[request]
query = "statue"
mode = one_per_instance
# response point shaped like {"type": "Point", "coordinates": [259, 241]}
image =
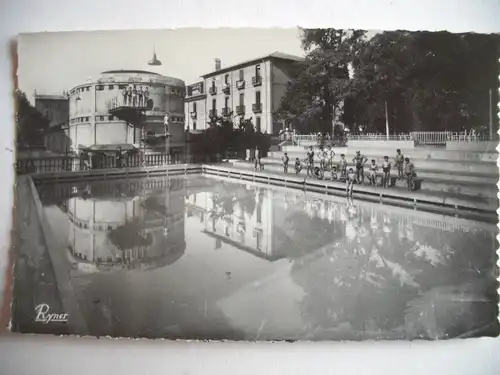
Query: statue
{"type": "Point", "coordinates": [134, 96]}
{"type": "Point", "coordinates": [166, 121]}
{"type": "Point", "coordinates": [140, 94]}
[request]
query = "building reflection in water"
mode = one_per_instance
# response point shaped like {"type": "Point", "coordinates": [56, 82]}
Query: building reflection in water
{"type": "Point", "coordinates": [123, 225]}
{"type": "Point", "coordinates": [367, 270]}
{"type": "Point", "coordinates": [240, 217]}
{"type": "Point", "coordinates": [364, 270]}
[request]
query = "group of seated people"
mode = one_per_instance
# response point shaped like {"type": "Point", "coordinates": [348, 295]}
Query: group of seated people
{"type": "Point", "coordinates": [339, 169]}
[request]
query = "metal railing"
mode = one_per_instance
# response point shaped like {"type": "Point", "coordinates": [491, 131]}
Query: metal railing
{"type": "Point", "coordinates": [381, 137]}
{"type": "Point", "coordinates": [80, 163]}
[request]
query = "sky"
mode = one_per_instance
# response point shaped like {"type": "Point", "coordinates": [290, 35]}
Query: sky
{"type": "Point", "coordinates": [57, 61]}
{"type": "Point", "coordinates": [53, 62]}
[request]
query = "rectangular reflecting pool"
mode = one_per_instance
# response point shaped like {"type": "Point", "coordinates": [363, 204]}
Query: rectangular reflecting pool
{"type": "Point", "coordinates": [204, 258]}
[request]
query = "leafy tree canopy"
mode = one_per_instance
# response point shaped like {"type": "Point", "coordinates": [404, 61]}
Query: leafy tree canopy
{"type": "Point", "coordinates": [430, 81]}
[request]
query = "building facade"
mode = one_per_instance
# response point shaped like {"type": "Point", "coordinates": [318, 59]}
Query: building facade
{"type": "Point", "coordinates": [252, 89]}
{"type": "Point", "coordinates": [54, 107]}
{"type": "Point", "coordinates": [90, 123]}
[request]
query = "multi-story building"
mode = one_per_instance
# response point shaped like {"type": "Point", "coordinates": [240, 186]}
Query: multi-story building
{"type": "Point", "coordinates": [92, 125]}
{"type": "Point", "coordinates": [54, 107]}
{"type": "Point", "coordinates": [251, 89]}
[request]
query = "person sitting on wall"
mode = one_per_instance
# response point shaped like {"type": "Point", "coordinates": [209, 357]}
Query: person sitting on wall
{"type": "Point", "coordinates": [298, 166]}
{"type": "Point", "coordinates": [318, 173]}
{"type": "Point", "coordinates": [334, 173]}
{"type": "Point", "coordinates": [373, 173]}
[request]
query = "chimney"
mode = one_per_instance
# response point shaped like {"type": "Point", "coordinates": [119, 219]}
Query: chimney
{"type": "Point", "coordinates": [217, 64]}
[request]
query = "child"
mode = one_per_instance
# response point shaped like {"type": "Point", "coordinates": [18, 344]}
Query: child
{"type": "Point", "coordinates": [285, 160]}
{"type": "Point", "coordinates": [343, 167]}
{"type": "Point", "coordinates": [360, 161]}
{"type": "Point", "coordinates": [334, 173]}
{"type": "Point", "coordinates": [331, 155]}
{"type": "Point", "coordinates": [399, 163]}
{"type": "Point", "coordinates": [324, 159]}
{"type": "Point", "coordinates": [351, 176]}
{"type": "Point", "coordinates": [408, 168]}
{"type": "Point", "coordinates": [298, 166]}
{"type": "Point", "coordinates": [386, 168]}
{"type": "Point", "coordinates": [318, 173]}
{"type": "Point", "coordinates": [310, 161]}
{"type": "Point", "coordinates": [373, 173]}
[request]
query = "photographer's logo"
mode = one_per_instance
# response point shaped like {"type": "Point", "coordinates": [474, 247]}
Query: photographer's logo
{"type": "Point", "coordinates": [43, 315]}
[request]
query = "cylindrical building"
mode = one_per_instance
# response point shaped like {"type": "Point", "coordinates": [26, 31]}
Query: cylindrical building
{"type": "Point", "coordinates": [91, 124]}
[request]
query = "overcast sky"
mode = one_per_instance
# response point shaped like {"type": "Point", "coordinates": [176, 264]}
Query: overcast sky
{"type": "Point", "coordinates": [53, 62]}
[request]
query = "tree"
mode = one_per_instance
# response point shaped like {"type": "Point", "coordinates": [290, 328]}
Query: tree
{"type": "Point", "coordinates": [315, 96]}
{"type": "Point", "coordinates": [30, 123]}
{"type": "Point", "coordinates": [430, 81]}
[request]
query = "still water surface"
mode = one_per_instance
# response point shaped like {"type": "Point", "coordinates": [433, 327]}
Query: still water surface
{"type": "Point", "coordinates": [203, 258]}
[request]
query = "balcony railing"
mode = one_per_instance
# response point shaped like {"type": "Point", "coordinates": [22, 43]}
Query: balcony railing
{"type": "Point", "coordinates": [240, 110]}
{"type": "Point", "coordinates": [257, 107]}
{"type": "Point", "coordinates": [240, 85]}
{"type": "Point", "coordinates": [226, 89]}
{"type": "Point", "coordinates": [212, 113]}
{"type": "Point", "coordinates": [137, 102]}
{"type": "Point", "coordinates": [226, 111]}
{"type": "Point", "coordinates": [257, 80]}
{"type": "Point", "coordinates": [193, 115]}
{"type": "Point", "coordinates": [212, 90]}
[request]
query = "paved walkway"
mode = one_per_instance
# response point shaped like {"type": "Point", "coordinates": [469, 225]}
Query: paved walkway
{"type": "Point", "coordinates": [34, 277]}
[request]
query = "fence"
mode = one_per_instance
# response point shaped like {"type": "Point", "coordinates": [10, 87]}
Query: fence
{"type": "Point", "coordinates": [381, 137]}
{"type": "Point", "coordinates": [435, 138]}
{"type": "Point", "coordinates": [77, 163]}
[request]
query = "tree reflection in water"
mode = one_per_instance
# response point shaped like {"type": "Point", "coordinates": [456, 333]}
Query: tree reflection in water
{"type": "Point", "coordinates": [384, 272]}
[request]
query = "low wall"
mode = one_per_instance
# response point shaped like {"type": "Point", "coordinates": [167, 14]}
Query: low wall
{"type": "Point", "coordinates": [484, 146]}
{"type": "Point", "coordinates": [419, 200]}
{"type": "Point", "coordinates": [388, 145]}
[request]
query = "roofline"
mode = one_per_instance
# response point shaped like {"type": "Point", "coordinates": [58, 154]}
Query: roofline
{"type": "Point", "coordinates": [271, 56]}
{"type": "Point", "coordinates": [50, 97]}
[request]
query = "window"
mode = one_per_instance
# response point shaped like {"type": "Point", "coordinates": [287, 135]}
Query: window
{"type": "Point", "coordinates": [214, 104]}
{"type": "Point", "coordinates": [111, 87]}
{"type": "Point", "coordinates": [111, 118]}
{"type": "Point", "coordinates": [87, 119]}
{"type": "Point", "coordinates": [242, 99]}
{"type": "Point", "coordinates": [88, 88]}
{"type": "Point", "coordinates": [257, 124]}
{"type": "Point", "coordinates": [242, 76]}
{"type": "Point", "coordinates": [121, 87]}
{"type": "Point", "coordinates": [257, 70]}
{"type": "Point", "coordinates": [99, 87]}
{"type": "Point", "coordinates": [213, 83]}
{"type": "Point", "coordinates": [257, 97]}
{"type": "Point", "coordinates": [194, 107]}
{"type": "Point", "coordinates": [194, 128]}
{"type": "Point", "coordinates": [226, 79]}
{"type": "Point", "coordinates": [226, 102]}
